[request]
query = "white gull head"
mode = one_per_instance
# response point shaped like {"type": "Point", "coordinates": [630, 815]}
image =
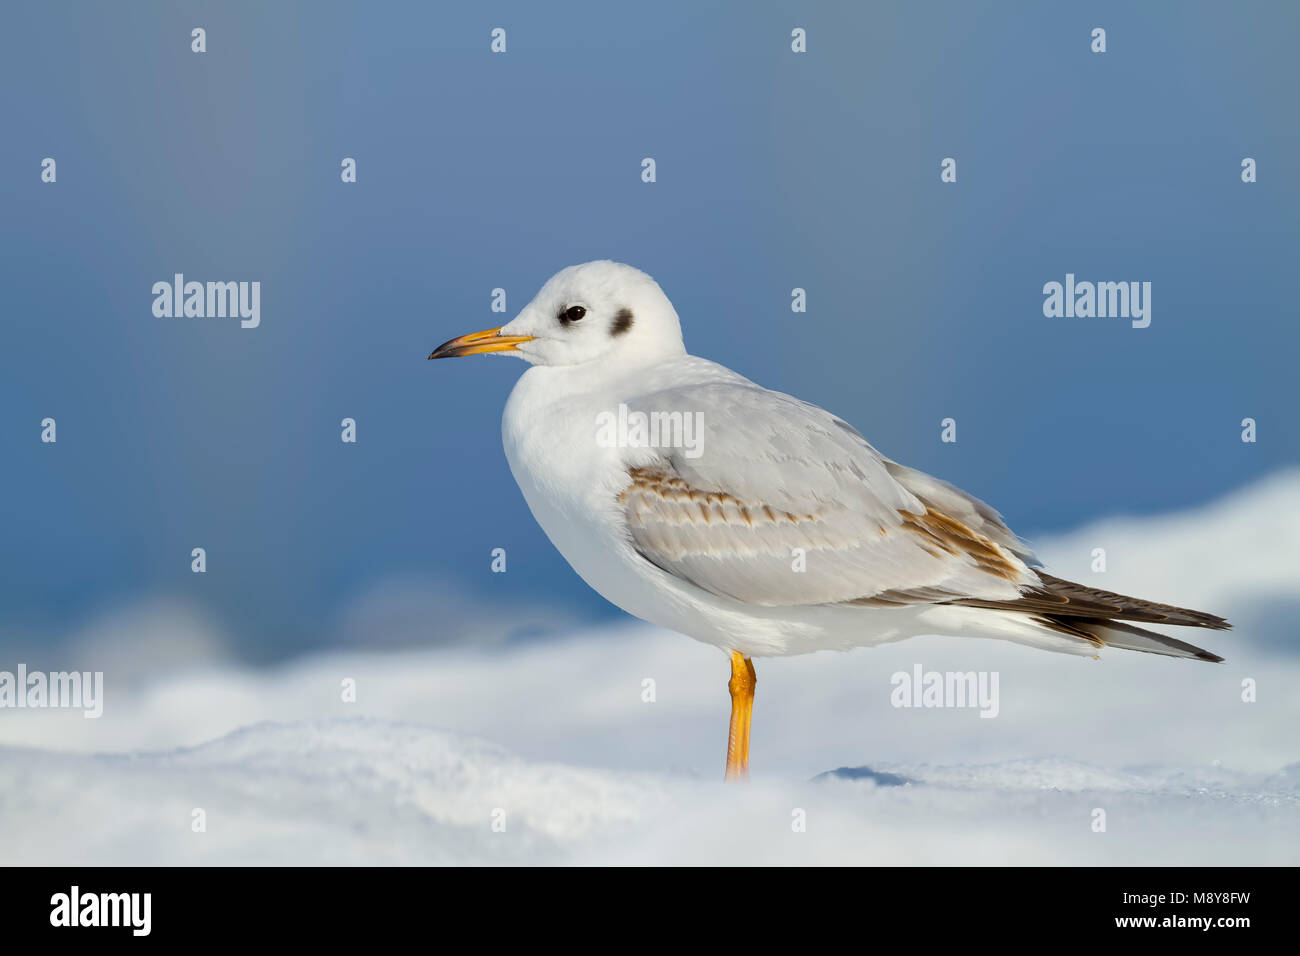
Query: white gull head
{"type": "Point", "coordinates": [599, 311]}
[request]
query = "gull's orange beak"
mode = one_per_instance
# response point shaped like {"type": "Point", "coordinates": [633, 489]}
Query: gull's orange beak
{"type": "Point", "coordinates": [489, 340]}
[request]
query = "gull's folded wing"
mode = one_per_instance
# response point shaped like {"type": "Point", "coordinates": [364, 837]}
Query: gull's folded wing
{"type": "Point", "coordinates": [781, 503]}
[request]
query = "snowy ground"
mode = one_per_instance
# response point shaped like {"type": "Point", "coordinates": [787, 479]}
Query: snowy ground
{"type": "Point", "coordinates": [555, 739]}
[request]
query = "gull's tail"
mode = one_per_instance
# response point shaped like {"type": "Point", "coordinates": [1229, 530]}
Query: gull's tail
{"type": "Point", "coordinates": [1102, 617]}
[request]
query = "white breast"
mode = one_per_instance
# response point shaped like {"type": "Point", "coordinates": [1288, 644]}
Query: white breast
{"type": "Point", "coordinates": [571, 484]}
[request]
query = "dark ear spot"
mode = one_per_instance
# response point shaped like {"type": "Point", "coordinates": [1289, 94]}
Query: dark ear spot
{"type": "Point", "coordinates": [622, 322]}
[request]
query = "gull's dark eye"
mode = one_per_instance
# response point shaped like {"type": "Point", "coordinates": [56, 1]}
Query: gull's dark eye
{"type": "Point", "coordinates": [572, 314]}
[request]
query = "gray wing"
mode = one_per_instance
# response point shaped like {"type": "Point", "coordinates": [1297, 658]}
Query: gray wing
{"type": "Point", "coordinates": [782, 503]}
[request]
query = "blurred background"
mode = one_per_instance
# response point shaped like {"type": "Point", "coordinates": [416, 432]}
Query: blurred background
{"type": "Point", "coordinates": [476, 170]}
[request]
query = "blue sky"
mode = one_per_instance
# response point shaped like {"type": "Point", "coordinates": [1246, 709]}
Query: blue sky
{"type": "Point", "coordinates": [476, 170]}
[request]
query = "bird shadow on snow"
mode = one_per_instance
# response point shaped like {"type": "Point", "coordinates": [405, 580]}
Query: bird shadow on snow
{"type": "Point", "coordinates": [879, 777]}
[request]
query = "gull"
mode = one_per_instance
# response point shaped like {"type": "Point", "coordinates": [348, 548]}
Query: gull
{"type": "Point", "coordinates": [777, 529]}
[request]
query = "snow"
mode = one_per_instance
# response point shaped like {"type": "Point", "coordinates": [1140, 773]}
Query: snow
{"type": "Point", "coordinates": [368, 791]}
{"type": "Point", "coordinates": [554, 742]}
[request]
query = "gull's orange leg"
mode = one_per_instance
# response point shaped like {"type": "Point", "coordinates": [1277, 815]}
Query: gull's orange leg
{"type": "Point", "coordinates": [742, 684]}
